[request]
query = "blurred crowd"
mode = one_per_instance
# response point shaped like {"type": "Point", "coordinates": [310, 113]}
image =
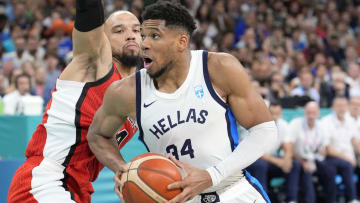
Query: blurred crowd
{"type": "Point", "coordinates": [294, 51]}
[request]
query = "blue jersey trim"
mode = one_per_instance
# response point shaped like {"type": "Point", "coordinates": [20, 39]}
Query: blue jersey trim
{"type": "Point", "coordinates": [208, 81]}
{"type": "Point", "coordinates": [138, 108]}
{"type": "Point", "coordinates": [256, 184]}
{"type": "Point", "coordinates": [232, 129]}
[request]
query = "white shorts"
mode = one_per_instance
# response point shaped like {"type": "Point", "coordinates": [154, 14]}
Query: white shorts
{"type": "Point", "coordinates": [245, 190]}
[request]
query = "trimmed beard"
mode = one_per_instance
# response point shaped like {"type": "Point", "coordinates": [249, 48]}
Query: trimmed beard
{"type": "Point", "coordinates": [129, 60]}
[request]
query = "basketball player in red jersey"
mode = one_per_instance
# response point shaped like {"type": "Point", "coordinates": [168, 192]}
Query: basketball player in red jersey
{"type": "Point", "coordinates": [59, 165]}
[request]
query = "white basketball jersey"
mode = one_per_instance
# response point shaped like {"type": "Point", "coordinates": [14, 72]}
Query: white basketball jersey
{"type": "Point", "coordinates": [193, 123]}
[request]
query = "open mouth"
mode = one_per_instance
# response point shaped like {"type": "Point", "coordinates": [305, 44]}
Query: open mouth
{"type": "Point", "coordinates": [147, 62]}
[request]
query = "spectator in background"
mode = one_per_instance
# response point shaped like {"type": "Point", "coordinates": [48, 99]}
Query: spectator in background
{"type": "Point", "coordinates": [354, 111]}
{"type": "Point", "coordinates": [277, 88]}
{"type": "Point", "coordinates": [353, 78]}
{"type": "Point", "coordinates": [13, 101]}
{"type": "Point", "coordinates": [40, 78]}
{"type": "Point", "coordinates": [52, 73]}
{"type": "Point", "coordinates": [29, 68]}
{"type": "Point", "coordinates": [279, 162]}
{"type": "Point", "coordinates": [309, 150]}
{"type": "Point", "coordinates": [338, 88]}
{"type": "Point", "coordinates": [333, 48]}
{"type": "Point", "coordinates": [322, 85]}
{"type": "Point", "coordinates": [306, 87]}
{"type": "Point", "coordinates": [19, 56]}
{"type": "Point", "coordinates": [13, 75]}
{"type": "Point", "coordinates": [34, 50]}
{"type": "Point", "coordinates": [342, 142]}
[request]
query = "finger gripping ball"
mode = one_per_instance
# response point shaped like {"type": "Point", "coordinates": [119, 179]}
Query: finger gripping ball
{"type": "Point", "coordinates": [148, 177]}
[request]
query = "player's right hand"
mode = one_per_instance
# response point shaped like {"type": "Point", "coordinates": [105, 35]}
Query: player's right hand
{"type": "Point", "coordinates": [117, 179]}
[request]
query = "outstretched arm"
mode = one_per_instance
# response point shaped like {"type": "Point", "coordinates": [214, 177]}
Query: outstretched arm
{"type": "Point", "coordinates": [91, 48]}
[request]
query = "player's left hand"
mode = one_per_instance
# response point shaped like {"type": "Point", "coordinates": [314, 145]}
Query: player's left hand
{"type": "Point", "coordinates": [195, 181]}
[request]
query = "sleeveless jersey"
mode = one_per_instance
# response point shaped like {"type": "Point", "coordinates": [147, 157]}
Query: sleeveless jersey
{"type": "Point", "coordinates": [193, 123]}
{"type": "Point", "coordinates": [61, 136]}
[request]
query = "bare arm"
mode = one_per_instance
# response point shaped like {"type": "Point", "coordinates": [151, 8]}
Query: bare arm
{"type": "Point", "coordinates": [109, 117]}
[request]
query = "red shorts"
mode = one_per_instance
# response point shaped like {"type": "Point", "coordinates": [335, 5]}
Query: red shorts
{"type": "Point", "coordinates": [42, 180]}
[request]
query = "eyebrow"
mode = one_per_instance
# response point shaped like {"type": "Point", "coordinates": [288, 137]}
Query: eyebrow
{"type": "Point", "coordinates": [122, 25]}
{"type": "Point", "coordinates": [151, 28]}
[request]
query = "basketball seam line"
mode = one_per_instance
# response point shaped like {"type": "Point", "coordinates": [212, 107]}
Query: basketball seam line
{"type": "Point", "coordinates": [162, 173]}
{"type": "Point", "coordinates": [149, 169]}
{"type": "Point", "coordinates": [127, 180]}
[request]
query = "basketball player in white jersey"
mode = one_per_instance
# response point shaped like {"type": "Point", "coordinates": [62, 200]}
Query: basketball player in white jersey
{"type": "Point", "coordinates": [186, 104]}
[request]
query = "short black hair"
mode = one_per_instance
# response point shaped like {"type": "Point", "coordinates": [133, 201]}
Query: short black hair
{"type": "Point", "coordinates": [174, 14]}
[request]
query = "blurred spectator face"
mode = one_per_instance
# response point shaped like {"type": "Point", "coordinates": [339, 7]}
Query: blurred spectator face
{"type": "Point", "coordinates": [353, 70]}
{"type": "Point", "coordinates": [52, 45]}
{"type": "Point", "coordinates": [204, 12]}
{"type": "Point", "coordinates": [306, 80]}
{"type": "Point", "coordinates": [294, 7]}
{"type": "Point", "coordinates": [123, 31]}
{"type": "Point", "coordinates": [250, 18]}
{"type": "Point", "coordinates": [312, 112]}
{"type": "Point", "coordinates": [320, 58]}
{"type": "Point", "coordinates": [17, 32]}
{"type": "Point", "coordinates": [277, 82]}
{"type": "Point", "coordinates": [340, 106]}
{"type": "Point", "coordinates": [300, 60]}
{"type": "Point", "coordinates": [40, 76]}
{"type": "Point", "coordinates": [339, 81]}
{"type": "Point", "coordinates": [354, 106]}
{"type": "Point", "coordinates": [19, 10]}
{"type": "Point", "coordinates": [51, 63]}
{"type": "Point", "coordinates": [351, 54]}
{"type": "Point", "coordinates": [335, 69]}
{"type": "Point", "coordinates": [33, 43]}
{"type": "Point", "coordinates": [119, 4]}
{"type": "Point", "coordinates": [227, 41]}
{"type": "Point", "coordinates": [28, 68]}
{"type": "Point", "coordinates": [334, 40]}
{"type": "Point", "coordinates": [275, 111]}
{"type": "Point", "coordinates": [321, 71]}
{"type": "Point", "coordinates": [15, 73]}
{"type": "Point", "coordinates": [219, 7]}
{"type": "Point", "coordinates": [20, 44]}
{"type": "Point", "coordinates": [23, 85]}
{"type": "Point", "coordinates": [260, 90]}
{"type": "Point", "coordinates": [8, 68]}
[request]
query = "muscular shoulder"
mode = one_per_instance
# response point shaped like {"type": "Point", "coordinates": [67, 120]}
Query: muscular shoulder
{"type": "Point", "coordinates": [224, 70]}
{"type": "Point", "coordinates": [120, 97]}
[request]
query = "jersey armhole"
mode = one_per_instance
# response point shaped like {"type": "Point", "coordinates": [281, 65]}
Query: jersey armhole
{"type": "Point", "coordinates": [210, 87]}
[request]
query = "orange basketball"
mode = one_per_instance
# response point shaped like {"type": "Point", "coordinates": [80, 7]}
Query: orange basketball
{"type": "Point", "coordinates": [148, 177]}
